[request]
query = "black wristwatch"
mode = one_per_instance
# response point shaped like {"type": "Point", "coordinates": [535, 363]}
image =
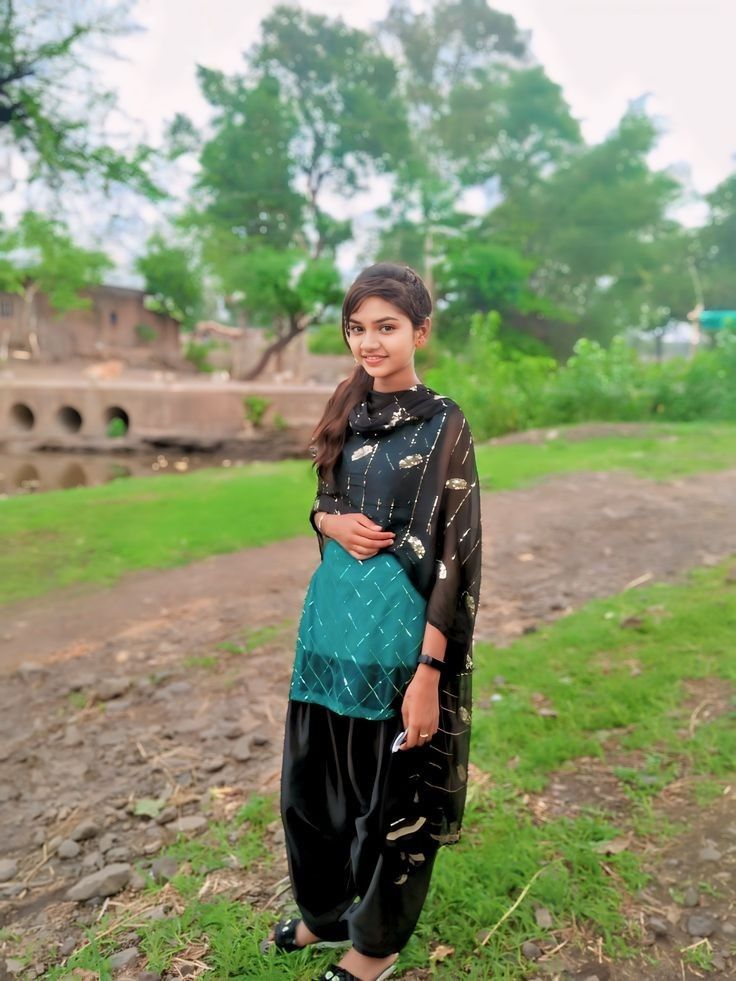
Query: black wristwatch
{"type": "Point", "coordinates": [433, 662]}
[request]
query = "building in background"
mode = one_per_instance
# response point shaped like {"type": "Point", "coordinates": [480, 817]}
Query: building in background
{"type": "Point", "coordinates": [116, 325]}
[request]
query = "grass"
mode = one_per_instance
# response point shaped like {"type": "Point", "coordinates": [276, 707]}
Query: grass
{"type": "Point", "coordinates": [667, 451]}
{"type": "Point", "coordinates": [485, 891]}
{"type": "Point", "coordinates": [97, 534]}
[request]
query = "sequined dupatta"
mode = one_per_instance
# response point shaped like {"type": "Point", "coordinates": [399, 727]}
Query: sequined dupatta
{"type": "Point", "coordinates": [419, 444]}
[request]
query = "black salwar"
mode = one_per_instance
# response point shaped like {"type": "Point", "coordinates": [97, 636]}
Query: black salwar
{"type": "Point", "coordinates": [360, 863]}
{"type": "Point", "coordinates": [362, 824]}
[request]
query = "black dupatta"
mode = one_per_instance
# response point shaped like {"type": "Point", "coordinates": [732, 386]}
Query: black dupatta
{"type": "Point", "coordinates": [409, 464]}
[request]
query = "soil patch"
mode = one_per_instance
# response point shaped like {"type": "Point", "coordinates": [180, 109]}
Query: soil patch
{"type": "Point", "coordinates": [174, 683]}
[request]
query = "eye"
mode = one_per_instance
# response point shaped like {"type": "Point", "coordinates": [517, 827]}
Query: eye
{"type": "Point", "coordinates": [388, 327]}
{"type": "Point", "coordinates": [354, 329]}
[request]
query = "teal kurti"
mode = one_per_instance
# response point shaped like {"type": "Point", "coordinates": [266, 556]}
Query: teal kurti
{"type": "Point", "coordinates": [359, 636]}
{"type": "Point", "coordinates": [408, 464]}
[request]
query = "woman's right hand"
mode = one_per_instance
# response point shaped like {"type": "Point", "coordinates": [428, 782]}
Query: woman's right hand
{"type": "Point", "coordinates": [357, 534]}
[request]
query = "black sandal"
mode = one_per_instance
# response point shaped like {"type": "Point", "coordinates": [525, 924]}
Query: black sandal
{"type": "Point", "coordinates": [284, 939]}
{"type": "Point", "coordinates": [335, 973]}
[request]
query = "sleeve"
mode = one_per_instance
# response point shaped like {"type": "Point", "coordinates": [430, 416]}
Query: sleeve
{"type": "Point", "coordinates": [453, 599]}
{"type": "Point", "coordinates": [332, 502]}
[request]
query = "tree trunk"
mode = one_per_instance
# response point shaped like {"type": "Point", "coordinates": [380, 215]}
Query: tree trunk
{"type": "Point", "coordinates": [278, 345]}
{"type": "Point", "coordinates": [428, 257]}
{"type": "Point", "coordinates": [29, 326]}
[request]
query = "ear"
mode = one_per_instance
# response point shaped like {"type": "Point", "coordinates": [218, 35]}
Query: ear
{"type": "Point", "coordinates": [422, 333]}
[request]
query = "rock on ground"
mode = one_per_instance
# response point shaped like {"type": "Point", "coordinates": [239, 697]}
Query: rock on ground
{"type": "Point", "coordinates": [108, 881]}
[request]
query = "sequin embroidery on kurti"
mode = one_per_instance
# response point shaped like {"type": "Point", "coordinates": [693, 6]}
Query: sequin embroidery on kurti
{"type": "Point", "coordinates": [408, 464]}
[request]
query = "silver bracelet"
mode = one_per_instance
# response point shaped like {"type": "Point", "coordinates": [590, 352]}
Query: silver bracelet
{"type": "Point", "coordinates": [320, 520]}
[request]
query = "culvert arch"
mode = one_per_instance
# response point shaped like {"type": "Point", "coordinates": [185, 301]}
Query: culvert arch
{"type": "Point", "coordinates": [27, 478]}
{"type": "Point", "coordinates": [22, 417]}
{"type": "Point", "coordinates": [117, 421]}
{"type": "Point", "coordinates": [69, 419]}
{"type": "Point", "coordinates": [74, 475]}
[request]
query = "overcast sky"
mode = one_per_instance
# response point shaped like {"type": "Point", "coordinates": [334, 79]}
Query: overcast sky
{"type": "Point", "coordinates": [603, 53]}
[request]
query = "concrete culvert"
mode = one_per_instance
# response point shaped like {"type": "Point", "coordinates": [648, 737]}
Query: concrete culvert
{"type": "Point", "coordinates": [27, 478]}
{"type": "Point", "coordinates": [73, 476]}
{"type": "Point", "coordinates": [22, 417]}
{"type": "Point", "coordinates": [69, 419]}
{"type": "Point", "coordinates": [117, 421]}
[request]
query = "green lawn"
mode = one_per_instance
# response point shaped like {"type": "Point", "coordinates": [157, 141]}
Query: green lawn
{"type": "Point", "coordinates": [672, 450]}
{"type": "Point", "coordinates": [582, 666]}
{"type": "Point", "coordinates": [96, 534]}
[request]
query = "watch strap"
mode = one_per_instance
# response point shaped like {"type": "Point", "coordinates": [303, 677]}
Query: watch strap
{"type": "Point", "coordinates": [433, 662]}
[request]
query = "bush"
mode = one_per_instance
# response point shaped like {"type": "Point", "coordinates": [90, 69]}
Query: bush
{"type": "Point", "coordinates": [197, 354]}
{"type": "Point", "coordinates": [326, 339]}
{"type": "Point", "coordinates": [599, 383]}
{"type": "Point", "coordinates": [146, 333]}
{"type": "Point", "coordinates": [255, 409]}
{"type": "Point", "coordinates": [502, 389]}
{"type": "Point", "coordinates": [116, 428]}
{"type": "Point", "coordinates": [499, 389]}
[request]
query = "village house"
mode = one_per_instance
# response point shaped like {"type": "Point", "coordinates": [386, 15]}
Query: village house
{"type": "Point", "coordinates": [116, 325]}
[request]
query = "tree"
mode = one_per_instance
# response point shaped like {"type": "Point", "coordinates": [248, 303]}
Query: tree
{"type": "Point", "coordinates": [285, 291]}
{"type": "Point", "coordinates": [480, 277]}
{"type": "Point", "coordinates": [479, 115]}
{"type": "Point", "coordinates": [350, 118]}
{"type": "Point", "coordinates": [509, 125]}
{"type": "Point", "coordinates": [717, 247]}
{"type": "Point", "coordinates": [246, 168]}
{"type": "Point", "coordinates": [173, 280]}
{"type": "Point", "coordinates": [316, 113]}
{"type": "Point", "coordinates": [39, 255]}
{"type": "Point", "coordinates": [49, 111]}
{"type": "Point", "coordinates": [592, 227]}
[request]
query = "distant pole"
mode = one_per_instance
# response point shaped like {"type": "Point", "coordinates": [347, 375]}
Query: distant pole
{"type": "Point", "coordinates": [694, 315]}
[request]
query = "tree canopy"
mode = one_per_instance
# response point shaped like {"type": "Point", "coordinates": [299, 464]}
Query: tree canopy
{"type": "Point", "coordinates": [52, 111]}
{"type": "Point", "coordinates": [39, 255]}
{"type": "Point", "coordinates": [477, 168]}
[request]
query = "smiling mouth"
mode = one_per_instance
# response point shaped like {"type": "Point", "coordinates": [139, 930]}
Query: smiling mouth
{"type": "Point", "coordinates": [375, 358]}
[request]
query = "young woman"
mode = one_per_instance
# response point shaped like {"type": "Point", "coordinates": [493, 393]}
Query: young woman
{"type": "Point", "coordinates": [378, 723]}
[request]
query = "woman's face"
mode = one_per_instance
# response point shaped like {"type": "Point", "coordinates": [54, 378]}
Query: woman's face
{"type": "Point", "coordinates": [383, 340]}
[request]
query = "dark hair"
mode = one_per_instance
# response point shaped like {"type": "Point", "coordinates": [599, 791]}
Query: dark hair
{"type": "Point", "coordinates": [403, 288]}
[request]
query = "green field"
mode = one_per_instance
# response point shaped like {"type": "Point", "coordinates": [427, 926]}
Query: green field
{"type": "Point", "coordinates": [609, 686]}
{"type": "Point", "coordinates": [485, 890]}
{"type": "Point", "coordinates": [97, 534]}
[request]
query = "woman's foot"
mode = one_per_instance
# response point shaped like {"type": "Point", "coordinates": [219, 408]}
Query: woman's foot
{"type": "Point", "coordinates": [292, 934]}
{"type": "Point", "coordinates": [366, 968]}
{"type": "Point", "coordinates": [304, 935]}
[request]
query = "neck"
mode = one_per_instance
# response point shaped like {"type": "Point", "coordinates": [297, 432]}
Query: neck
{"type": "Point", "coordinates": [386, 387]}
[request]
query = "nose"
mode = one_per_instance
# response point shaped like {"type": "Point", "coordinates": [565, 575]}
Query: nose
{"type": "Point", "coordinates": [370, 344]}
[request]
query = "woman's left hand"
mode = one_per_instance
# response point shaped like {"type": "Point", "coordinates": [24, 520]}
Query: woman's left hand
{"type": "Point", "coordinates": [420, 709]}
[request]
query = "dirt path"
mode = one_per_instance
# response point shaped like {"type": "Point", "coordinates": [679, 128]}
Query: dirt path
{"type": "Point", "coordinates": [117, 695]}
{"type": "Point", "coordinates": [548, 548]}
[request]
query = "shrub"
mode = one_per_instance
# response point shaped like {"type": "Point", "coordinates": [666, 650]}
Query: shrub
{"type": "Point", "coordinates": [146, 333]}
{"type": "Point", "coordinates": [326, 339]}
{"type": "Point", "coordinates": [499, 389]}
{"type": "Point", "coordinates": [255, 409]}
{"type": "Point", "coordinates": [197, 354]}
{"type": "Point", "coordinates": [116, 428]}
{"type": "Point", "coordinates": [503, 389]}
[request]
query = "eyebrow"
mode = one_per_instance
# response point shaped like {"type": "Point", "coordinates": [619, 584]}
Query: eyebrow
{"type": "Point", "coordinates": [379, 321]}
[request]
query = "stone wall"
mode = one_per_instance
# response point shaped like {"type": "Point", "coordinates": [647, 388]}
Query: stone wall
{"type": "Point", "coordinates": [107, 329]}
{"type": "Point", "coordinates": [77, 413]}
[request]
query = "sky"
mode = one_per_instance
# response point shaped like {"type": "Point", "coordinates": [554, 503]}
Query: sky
{"type": "Point", "coordinates": [603, 53]}
{"type": "Point", "coordinates": [676, 54]}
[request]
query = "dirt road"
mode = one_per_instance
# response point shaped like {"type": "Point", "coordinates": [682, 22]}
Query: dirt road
{"type": "Point", "coordinates": [111, 696]}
